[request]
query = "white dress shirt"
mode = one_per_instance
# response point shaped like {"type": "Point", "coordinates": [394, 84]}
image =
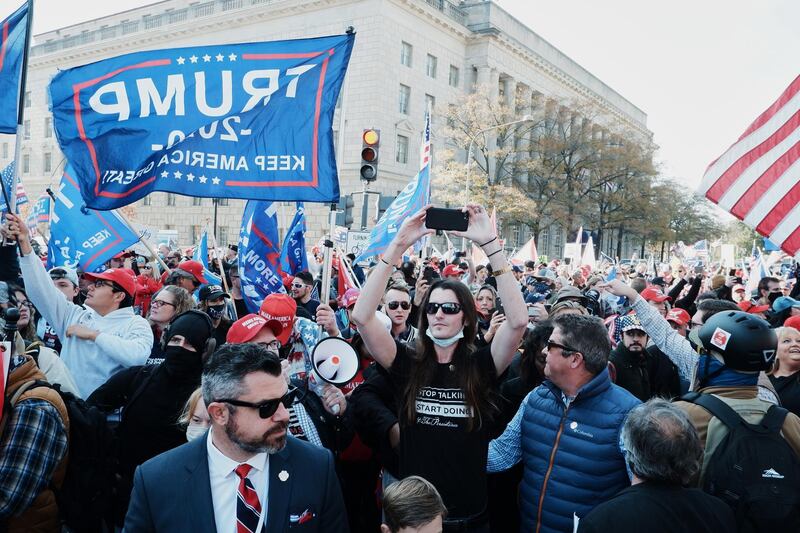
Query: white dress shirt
{"type": "Point", "coordinates": [225, 486]}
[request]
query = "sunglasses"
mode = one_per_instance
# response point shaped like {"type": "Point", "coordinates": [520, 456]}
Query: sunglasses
{"type": "Point", "coordinates": [146, 267]}
{"type": "Point", "coordinates": [266, 408]}
{"type": "Point", "coordinates": [405, 305]}
{"type": "Point", "coordinates": [448, 308]}
{"type": "Point", "coordinates": [564, 348]}
{"type": "Point", "coordinates": [297, 285]}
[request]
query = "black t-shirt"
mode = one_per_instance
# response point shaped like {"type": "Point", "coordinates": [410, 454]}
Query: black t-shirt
{"type": "Point", "coordinates": [438, 445]}
{"type": "Point", "coordinates": [311, 307]}
{"type": "Point", "coordinates": [788, 389]}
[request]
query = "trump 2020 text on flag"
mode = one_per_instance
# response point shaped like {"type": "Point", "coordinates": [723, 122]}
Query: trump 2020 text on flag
{"type": "Point", "coordinates": [223, 121]}
{"type": "Point", "coordinates": [12, 51]}
{"type": "Point", "coordinates": [757, 179]}
{"type": "Point", "coordinates": [81, 237]}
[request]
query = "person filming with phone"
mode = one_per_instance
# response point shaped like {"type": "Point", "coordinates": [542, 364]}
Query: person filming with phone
{"type": "Point", "coordinates": [445, 386]}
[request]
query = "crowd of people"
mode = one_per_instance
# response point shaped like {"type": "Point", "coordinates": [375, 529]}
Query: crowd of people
{"type": "Point", "coordinates": [542, 396]}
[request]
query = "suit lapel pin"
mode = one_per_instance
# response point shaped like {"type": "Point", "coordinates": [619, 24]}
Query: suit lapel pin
{"type": "Point", "coordinates": [284, 475]}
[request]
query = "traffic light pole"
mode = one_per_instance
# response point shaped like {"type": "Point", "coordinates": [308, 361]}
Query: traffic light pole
{"type": "Point", "coordinates": [364, 206]}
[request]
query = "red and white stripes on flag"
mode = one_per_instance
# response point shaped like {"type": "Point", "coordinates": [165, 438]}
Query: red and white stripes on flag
{"type": "Point", "coordinates": [758, 178]}
{"type": "Point", "coordinates": [425, 148]}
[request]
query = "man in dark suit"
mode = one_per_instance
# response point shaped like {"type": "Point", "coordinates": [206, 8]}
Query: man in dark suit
{"type": "Point", "coordinates": [245, 475]}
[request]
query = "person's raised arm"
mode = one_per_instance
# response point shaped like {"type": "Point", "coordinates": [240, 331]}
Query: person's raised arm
{"type": "Point", "coordinates": [378, 339]}
{"type": "Point", "coordinates": [506, 341]}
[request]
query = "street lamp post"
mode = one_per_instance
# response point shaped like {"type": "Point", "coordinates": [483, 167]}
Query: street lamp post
{"type": "Point", "coordinates": [526, 118]}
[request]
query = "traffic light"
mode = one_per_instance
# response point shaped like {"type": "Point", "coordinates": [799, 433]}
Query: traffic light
{"type": "Point", "coordinates": [370, 148]}
{"type": "Point", "coordinates": [344, 211]}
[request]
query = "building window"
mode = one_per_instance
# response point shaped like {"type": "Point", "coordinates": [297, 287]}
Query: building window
{"type": "Point", "coordinates": [401, 156]}
{"type": "Point", "coordinates": [405, 98]}
{"type": "Point", "coordinates": [197, 201]}
{"type": "Point", "coordinates": [26, 129]}
{"type": "Point", "coordinates": [224, 202]}
{"type": "Point", "coordinates": [430, 102]}
{"type": "Point", "coordinates": [454, 76]}
{"type": "Point", "coordinates": [405, 54]}
{"type": "Point", "coordinates": [48, 162]}
{"type": "Point", "coordinates": [27, 99]}
{"type": "Point", "coordinates": [544, 240]}
{"type": "Point", "coordinates": [170, 199]}
{"type": "Point", "coordinates": [146, 200]}
{"type": "Point", "coordinates": [194, 233]}
{"type": "Point", "coordinates": [557, 241]}
{"type": "Point", "coordinates": [48, 127]}
{"type": "Point", "coordinates": [222, 238]}
{"type": "Point", "coordinates": [5, 150]}
{"type": "Point", "coordinates": [430, 66]}
{"type": "Point", "coordinates": [26, 164]}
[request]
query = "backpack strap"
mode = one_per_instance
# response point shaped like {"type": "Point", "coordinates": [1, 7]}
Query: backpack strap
{"type": "Point", "coordinates": [773, 420]}
{"type": "Point", "coordinates": [716, 407]}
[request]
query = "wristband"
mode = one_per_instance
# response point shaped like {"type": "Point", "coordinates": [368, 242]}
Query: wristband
{"type": "Point", "coordinates": [506, 269]}
{"type": "Point", "coordinates": [385, 261]}
{"type": "Point", "coordinates": [495, 252]}
{"type": "Point", "coordinates": [488, 242]}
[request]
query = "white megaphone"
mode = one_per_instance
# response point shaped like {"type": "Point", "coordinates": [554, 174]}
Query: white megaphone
{"type": "Point", "coordinates": [334, 361]}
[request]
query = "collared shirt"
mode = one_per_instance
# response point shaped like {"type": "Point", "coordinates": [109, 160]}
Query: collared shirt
{"type": "Point", "coordinates": [225, 485]}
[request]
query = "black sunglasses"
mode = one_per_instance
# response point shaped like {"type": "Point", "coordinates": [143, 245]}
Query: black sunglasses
{"type": "Point", "coordinates": [405, 305]}
{"type": "Point", "coordinates": [448, 308]}
{"type": "Point", "coordinates": [267, 408]}
{"type": "Point", "coordinates": [552, 344]}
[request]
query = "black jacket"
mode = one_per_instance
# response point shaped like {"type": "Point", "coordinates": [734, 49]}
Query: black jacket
{"type": "Point", "coordinates": [335, 432]}
{"type": "Point", "coordinates": [374, 413]}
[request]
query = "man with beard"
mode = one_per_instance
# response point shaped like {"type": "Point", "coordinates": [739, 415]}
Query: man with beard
{"type": "Point", "coordinates": [629, 359]}
{"type": "Point", "coordinates": [245, 473]}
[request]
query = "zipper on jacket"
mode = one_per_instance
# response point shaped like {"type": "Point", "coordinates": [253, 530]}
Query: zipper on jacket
{"type": "Point", "coordinates": [550, 468]}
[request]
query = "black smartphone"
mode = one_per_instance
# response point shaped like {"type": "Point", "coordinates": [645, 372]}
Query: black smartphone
{"type": "Point", "coordinates": [429, 274]}
{"type": "Point", "coordinates": [499, 308]}
{"type": "Point", "coordinates": [446, 219]}
{"type": "Point", "coordinates": [699, 269]}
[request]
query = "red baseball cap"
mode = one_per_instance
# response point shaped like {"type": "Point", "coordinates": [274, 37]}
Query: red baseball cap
{"type": "Point", "coordinates": [750, 307]}
{"type": "Point", "coordinates": [679, 316]}
{"type": "Point", "coordinates": [451, 270]}
{"type": "Point", "coordinates": [350, 296]}
{"type": "Point", "coordinates": [247, 327]}
{"type": "Point", "coordinates": [195, 268]}
{"type": "Point", "coordinates": [654, 294]}
{"type": "Point", "coordinates": [283, 308]}
{"type": "Point", "coordinates": [121, 276]}
{"type": "Point", "coordinates": [792, 322]}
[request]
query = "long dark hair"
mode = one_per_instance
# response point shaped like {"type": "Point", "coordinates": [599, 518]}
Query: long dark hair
{"type": "Point", "coordinates": [476, 392]}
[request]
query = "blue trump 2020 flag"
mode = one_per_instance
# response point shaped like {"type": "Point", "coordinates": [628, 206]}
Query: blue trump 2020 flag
{"type": "Point", "coordinates": [259, 254]}
{"type": "Point", "coordinates": [293, 252]}
{"type": "Point", "coordinates": [201, 254]}
{"type": "Point", "coordinates": [81, 237]}
{"type": "Point", "coordinates": [222, 121]}
{"type": "Point", "coordinates": [12, 51]}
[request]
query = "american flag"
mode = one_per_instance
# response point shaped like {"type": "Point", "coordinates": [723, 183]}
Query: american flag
{"type": "Point", "coordinates": [758, 178]}
{"type": "Point", "coordinates": [7, 175]}
{"type": "Point", "coordinates": [22, 196]}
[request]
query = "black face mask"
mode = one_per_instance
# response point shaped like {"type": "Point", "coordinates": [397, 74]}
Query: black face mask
{"type": "Point", "coordinates": [774, 296]}
{"type": "Point", "coordinates": [215, 311]}
{"type": "Point", "coordinates": [182, 363]}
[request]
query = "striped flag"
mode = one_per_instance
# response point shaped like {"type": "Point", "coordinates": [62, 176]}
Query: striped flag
{"type": "Point", "coordinates": [22, 196]}
{"type": "Point", "coordinates": [758, 178]}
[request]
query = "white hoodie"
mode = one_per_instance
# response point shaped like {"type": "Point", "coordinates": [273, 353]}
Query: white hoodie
{"type": "Point", "coordinates": [125, 338]}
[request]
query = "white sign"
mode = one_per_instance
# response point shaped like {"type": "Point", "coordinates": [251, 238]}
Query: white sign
{"type": "Point", "coordinates": [340, 236]}
{"type": "Point", "coordinates": [357, 242]}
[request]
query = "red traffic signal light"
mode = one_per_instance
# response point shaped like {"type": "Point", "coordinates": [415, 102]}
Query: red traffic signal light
{"type": "Point", "coordinates": [370, 147]}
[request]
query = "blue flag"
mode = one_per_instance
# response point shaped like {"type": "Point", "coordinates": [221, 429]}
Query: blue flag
{"type": "Point", "coordinates": [12, 50]}
{"type": "Point", "coordinates": [201, 254]}
{"type": "Point", "coordinates": [7, 175]}
{"type": "Point", "coordinates": [81, 237]}
{"type": "Point", "coordinates": [259, 254]}
{"type": "Point", "coordinates": [293, 252]}
{"type": "Point", "coordinates": [246, 121]}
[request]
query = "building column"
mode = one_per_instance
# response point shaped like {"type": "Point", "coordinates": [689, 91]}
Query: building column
{"type": "Point", "coordinates": [524, 141]}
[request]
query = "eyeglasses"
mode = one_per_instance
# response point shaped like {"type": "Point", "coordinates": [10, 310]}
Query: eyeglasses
{"type": "Point", "coordinates": [448, 308]}
{"type": "Point", "coordinates": [159, 303]}
{"type": "Point", "coordinates": [274, 345]}
{"type": "Point", "coordinates": [102, 283]}
{"type": "Point", "coordinates": [564, 348]}
{"type": "Point", "coordinates": [23, 303]}
{"type": "Point", "coordinates": [266, 408]}
{"type": "Point", "coordinates": [405, 305]}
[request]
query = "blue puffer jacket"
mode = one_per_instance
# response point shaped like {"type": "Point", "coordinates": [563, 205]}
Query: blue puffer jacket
{"type": "Point", "coordinates": [572, 459]}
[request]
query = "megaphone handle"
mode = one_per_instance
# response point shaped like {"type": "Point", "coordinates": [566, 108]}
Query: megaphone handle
{"type": "Point", "coordinates": [335, 409]}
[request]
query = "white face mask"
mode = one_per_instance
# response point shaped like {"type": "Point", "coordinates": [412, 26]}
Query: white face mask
{"type": "Point", "coordinates": [194, 431]}
{"type": "Point", "coordinates": [444, 343]}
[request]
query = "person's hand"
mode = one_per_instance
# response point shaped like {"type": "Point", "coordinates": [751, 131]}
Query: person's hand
{"type": "Point", "coordinates": [16, 228]}
{"type": "Point", "coordinates": [82, 332]}
{"type": "Point", "coordinates": [394, 435]}
{"type": "Point", "coordinates": [420, 290]}
{"type": "Point", "coordinates": [730, 281]}
{"type": "Point", "coordinates": [618, 288]}
{"type": "Point", "coordinates": [541, 311]}
{"type": "Point", "coordinates": [327, 319]}
{"type": "Point", "coordinates": [333, 400]}
{"type": "Point", "coordinates": [494, 324]}
{"type": "Point", "coordinates": [480, 229]}
{"type": "Point", "coordinates": [413, 229]}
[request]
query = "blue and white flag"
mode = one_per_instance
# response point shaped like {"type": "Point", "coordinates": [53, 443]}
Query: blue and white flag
{"type": "Point", "coordinates": [12, 51]}
{"type": "Point", "coordinates": [7, 175]}
{"type": "Point", "coordinates": [259, 254]}
{"type": "Point", "coordinates": [246, 121]}
{"type": "Point", "coordinates": [293, 252]}
{"type": "Point", "coordinates": [414, 197]}
{"type": "Point", "coordinates": [201, 255]}
{"type": "Point", "coordinates": [81, 237]}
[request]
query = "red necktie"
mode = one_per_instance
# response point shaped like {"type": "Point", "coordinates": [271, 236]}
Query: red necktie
{"type": "Point", "coordinates": [248, 508]}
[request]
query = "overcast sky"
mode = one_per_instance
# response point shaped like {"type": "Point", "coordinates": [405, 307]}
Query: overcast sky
{"type": "Point", "coordinates": [702, 70]}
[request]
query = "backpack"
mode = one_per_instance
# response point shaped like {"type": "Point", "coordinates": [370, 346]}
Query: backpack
{"type": "Point", "coordinates": [85, 497]}
{"type": "Point", "coordinates": [753, 470]}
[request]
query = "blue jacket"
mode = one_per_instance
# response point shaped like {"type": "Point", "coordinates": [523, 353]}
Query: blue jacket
{"type": "Point", "coordinates": [572, 455]}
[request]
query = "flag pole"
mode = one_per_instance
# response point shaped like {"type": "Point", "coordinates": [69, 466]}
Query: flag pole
{"type": "Point", "coordinates": [142, 240]}
{"type": "Point", "coordinates": [343, 259]}
{"type": "Point", "coordinates": [12, 207]}
{"type": "Point", "coordinates": [219, 265]}
{"type": "Point", "coordinates": [326, 260]}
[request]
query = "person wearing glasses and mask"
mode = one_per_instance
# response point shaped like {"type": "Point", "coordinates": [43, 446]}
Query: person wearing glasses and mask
{"type": "Point", "coordinates": [246, 469]}
{"type": "Point", "coordinates": [98, 340]}
{"type": "Point", "coordinates": [446, 388]}
{"type": "Point", "coordinates": [152, 396]}
{"type": "Point", "coordinates": [397, 306]}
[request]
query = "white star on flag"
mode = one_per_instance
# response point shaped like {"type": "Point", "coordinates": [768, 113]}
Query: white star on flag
{"type": "Point", "coordinates": [177, 174]}
{"type": "Point", "coordinates": [181, 60]}
{"type": "Point", "coordinates": [193, 59]}
{"type": "Point", "coordinates": [232, 57]}
{"type": "Point", "coordinates": [220, 57]}
{"type": "Point", "coordinates": [203, 179]}
{"type": "Point", "coordinates": [215, 181]}
{"type": "Point", "coordinates": [165, 174]}
{"type": "Point", "coordinates": [206, 58]}
{"type": "Point", "coordinates": [190, 176]}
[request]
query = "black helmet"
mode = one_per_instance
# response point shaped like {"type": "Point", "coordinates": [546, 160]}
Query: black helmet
{"type": "Point", "coordinates": [745, 341]}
